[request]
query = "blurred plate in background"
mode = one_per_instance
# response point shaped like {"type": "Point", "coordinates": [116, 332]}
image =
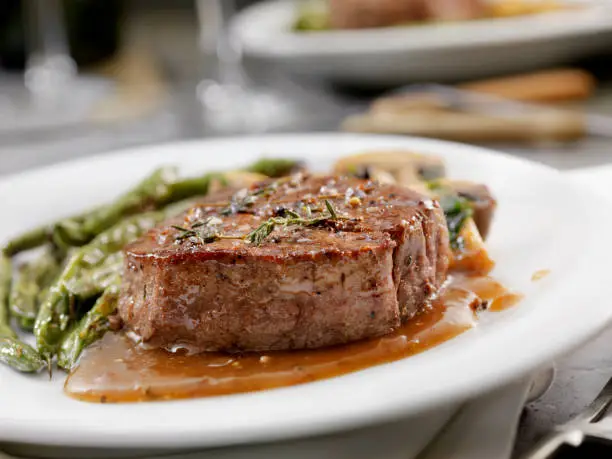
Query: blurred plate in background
{"type": "Point", "coordinates": [432, 52]}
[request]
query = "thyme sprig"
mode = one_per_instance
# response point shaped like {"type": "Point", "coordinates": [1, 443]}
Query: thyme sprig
{"type": "Point", "coordinates": [185, 233]}
{"type": "Point", "coordinates": [331, 210]}
{"type": "Point", "coordinates": [206, 231]}
{"type": "Point", "coordinates": [259, 234]}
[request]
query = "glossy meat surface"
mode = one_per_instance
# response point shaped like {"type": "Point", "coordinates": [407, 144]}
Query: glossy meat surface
{"type": "Point", "coordinates": [342, 279]}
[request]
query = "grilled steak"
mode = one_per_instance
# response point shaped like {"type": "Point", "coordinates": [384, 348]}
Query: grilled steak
{"type": "Point", "coordinates": [353, 261]}
{"type": "Point", "coordinates": [358, 14]}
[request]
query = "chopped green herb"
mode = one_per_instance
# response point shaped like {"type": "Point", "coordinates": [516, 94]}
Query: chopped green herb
{"type": "Point", "coordinates": [331, 209]}
{"type": "Point", "coordinates": [292, 213]}
{"type": "Point", "coordinates": [260, 233]}
{"type": "Point", "coordinates": [457, 210]}
{"type": "Point", "coordinates": [206, 231]}
{"type": "Point", "coordinates": [185, 232]}
{"type": "Point", "coordinates": [263, 231]}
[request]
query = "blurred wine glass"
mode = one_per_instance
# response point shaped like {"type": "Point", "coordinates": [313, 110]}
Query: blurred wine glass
{"type": "Point", "coordinates": [231, 102]}
{"type": "Point", "coordinates": [49, 67]}
{"type": "Point", "coordinates": [52, 93]}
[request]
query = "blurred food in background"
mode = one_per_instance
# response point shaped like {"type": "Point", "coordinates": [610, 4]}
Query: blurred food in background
{"type": "Point", "coordinates": [559, 85]}
{"type": "Point", "coordinates": [488, 110]}
{"type": "Point", "coordinates": [385, 43]}
{"type": "Point", "coordinates": [505, 8]}
{"type": "Point", "coordinates": [358, 14]}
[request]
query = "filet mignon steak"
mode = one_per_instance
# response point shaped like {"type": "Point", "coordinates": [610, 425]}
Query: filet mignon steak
{"type": "Point", "coordinates": [354, 260]}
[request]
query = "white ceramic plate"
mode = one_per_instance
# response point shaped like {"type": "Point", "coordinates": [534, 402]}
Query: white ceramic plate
{"type": "Point", "coordinates": [544, 221]}
{"type": "Point", "coordinates": [428, 52]}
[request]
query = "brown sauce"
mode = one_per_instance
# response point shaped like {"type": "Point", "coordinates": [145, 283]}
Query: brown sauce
{"type": "Point", "coordinates": [497, 296]}
{"type": "Point", "coordinates": [117, 370]}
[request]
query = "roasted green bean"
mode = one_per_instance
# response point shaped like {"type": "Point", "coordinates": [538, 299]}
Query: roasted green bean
{"type": "Point", "coordinates": [89, 271]}
{"type": "Point", "coordinates": [34, 277]}
{"type": "Point", "coordinates": [148, 194]}
{"type": "Point", "coordinates": [58, 309]}
{"type": "Point", "coordinates": [89, 329]}
{"type": "Point", "coordinates": [28, 240]}
{"type": "Point", "coordinates": [13, 352]}
{"type": "Point", "coordinates": [20, 356]}
{"type": "Point", "coordinates": [6, 274]}
{"type": "Point", "coordinates": [155, 192]}
{"type": "Point", "coordinates": [275, 167]}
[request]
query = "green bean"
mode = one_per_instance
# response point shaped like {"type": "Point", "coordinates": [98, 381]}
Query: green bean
{"type": "Point", "coordinates": [89, 329]}
{"type": "Point", "coordinates": [33, 277]}
{"type": "Point", "coordinates": [156, 191]}
{"type": "Point", "coordinates": [90, 271]}
{"type": "Point", "coordinates": [80, 229]}
{"type": "Point", "coordinates": [60, 233]}
{"type": "Point", "coordinates": [97, 277]}
{"type": "Point", "coordinates": [68, 233]}
{"type": "Point", "coordinates": [189, 187]}
{"type": "Point", "coordinates": [150, 191]}
{"type": "Point", "coordinates": [13, 352]}
{"type": "Point", "coordinates": [101, 272]}
{"type": "Point", "coordinates": [6, 273]}
{"type": "Point", "coordinates": [58, 309]}
{"type": "Point", "coordinates": [275, 167]}
{"type": "Point", "coordinates": [20, 356]}
{"type": "Point", "coordinates": [28, 240]}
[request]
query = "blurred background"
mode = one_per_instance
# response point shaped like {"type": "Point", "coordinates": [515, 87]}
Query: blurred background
{"type": "Point", "coordinates": [79, 77]}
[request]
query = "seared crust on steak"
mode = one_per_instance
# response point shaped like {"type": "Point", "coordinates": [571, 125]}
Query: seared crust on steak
{"type": "Point", "coordinates": [355, 277]}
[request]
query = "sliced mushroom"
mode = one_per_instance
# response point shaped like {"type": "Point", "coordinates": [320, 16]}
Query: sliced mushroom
{"type": "Point", "coordinates": [405, 166]}
{"type": "Point", "coordinates": [381, 176]}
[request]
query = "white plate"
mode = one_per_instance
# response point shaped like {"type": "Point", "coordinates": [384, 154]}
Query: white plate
{"type": "Point", "coordinates": [438, 52]}
{"type": "Point", "coordinates": [544, 221]}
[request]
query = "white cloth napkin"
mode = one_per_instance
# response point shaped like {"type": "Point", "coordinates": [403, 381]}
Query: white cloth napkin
{"type": "Point", "coordinates": [484, 428]}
